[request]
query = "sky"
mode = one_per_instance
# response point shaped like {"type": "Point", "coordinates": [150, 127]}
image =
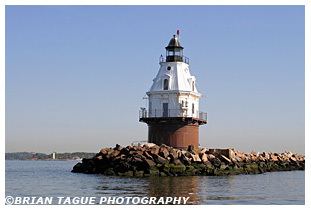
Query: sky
{"type": "Point", "coordinates": [76, 75]}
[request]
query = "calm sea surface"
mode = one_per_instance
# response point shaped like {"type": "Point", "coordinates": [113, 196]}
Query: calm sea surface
{"type": "Point", "coordinates": [53, 178]}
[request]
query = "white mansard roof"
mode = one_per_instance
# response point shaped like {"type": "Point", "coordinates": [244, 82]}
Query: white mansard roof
{"type": "Point", "coordinates": [179, 77]}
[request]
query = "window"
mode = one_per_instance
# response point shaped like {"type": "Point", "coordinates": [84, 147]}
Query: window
{"type": "Point", "coordinates": [170, 53]}
{"type": "Point", "coordinates": [165, 84]}
{"type": "Point", "coordinates": [193, 108]}
{"type": "Point", "coordinates": [168, 68]}
{"type": "Point", "coordinates": [193, 86]}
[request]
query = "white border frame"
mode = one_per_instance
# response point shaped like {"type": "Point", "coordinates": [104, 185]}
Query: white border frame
{"type": "Point", "coordinates": [163, 2]}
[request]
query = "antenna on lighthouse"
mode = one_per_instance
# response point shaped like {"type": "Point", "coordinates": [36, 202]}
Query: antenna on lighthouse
{"type": "Point", "coordinates": [177, 33]}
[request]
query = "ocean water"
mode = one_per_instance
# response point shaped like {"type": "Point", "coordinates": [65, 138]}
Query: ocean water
{"type": "Point", "coordinates": [53, 178]}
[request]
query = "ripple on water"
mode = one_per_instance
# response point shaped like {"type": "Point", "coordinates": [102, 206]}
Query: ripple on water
{"type": "Point", "coordinates": [53, 178]}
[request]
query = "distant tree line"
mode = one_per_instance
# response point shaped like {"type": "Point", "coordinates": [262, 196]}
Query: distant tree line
{"type": "Point", "coordinates": [42, 156]}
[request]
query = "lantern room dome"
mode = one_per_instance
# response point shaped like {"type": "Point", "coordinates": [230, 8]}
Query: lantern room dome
{"type": "Point", "coordinates": [174, 43]}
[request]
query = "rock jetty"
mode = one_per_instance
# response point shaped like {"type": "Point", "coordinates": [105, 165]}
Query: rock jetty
{"type": "Point", "coordinates": [153, 160]}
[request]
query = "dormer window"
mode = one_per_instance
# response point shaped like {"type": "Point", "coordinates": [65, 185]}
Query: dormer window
{"type": "Point", "coordinates": [165, 84]}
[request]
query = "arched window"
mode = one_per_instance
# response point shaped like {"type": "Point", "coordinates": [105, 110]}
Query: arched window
{"type": "Point", "coordinates": [165, 84]}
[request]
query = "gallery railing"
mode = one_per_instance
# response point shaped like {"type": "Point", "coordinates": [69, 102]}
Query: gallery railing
{"type": "Point", "coordinates": [174, 58]}
{"type": "Point", "coordinates": [144, 113]}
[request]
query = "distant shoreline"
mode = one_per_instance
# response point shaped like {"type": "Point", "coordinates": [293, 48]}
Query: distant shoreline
{"type": "Point", "coordinates": [43, 156]}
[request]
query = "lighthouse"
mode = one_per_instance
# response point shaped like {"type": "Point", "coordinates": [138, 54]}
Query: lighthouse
{"type": "Point", "coordinates": [173, 115]}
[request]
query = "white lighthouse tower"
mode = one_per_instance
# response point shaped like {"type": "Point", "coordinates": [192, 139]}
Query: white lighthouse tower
{"type": "Point", "coordinates": [173, 115]}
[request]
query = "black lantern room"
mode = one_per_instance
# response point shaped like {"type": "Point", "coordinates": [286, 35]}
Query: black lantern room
{"type": "Point", "coordinates": [174, 51]}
